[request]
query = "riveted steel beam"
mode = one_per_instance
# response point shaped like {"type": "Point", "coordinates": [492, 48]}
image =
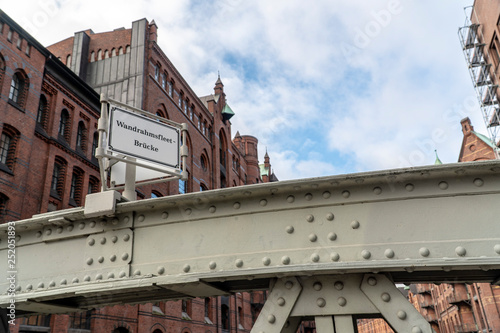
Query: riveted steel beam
{"type": "Point", "coordinates": [429, 224]}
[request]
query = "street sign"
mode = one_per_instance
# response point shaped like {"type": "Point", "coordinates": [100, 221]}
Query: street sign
{"type": "Point", "coordinates": [136, 135]}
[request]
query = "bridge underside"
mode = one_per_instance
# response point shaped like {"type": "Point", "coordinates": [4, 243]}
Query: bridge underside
{"type": "Point", "coordinates": [433, 224]}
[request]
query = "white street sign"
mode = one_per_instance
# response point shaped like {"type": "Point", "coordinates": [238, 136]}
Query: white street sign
{"type": "Point", "coordinates": [144, 138]}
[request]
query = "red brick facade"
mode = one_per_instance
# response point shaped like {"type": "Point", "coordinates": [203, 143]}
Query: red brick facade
{"type": "Point", "coordinates": [48, 124]}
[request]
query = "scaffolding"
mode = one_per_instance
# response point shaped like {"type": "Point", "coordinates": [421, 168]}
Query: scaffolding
{"type": "Point", "coordinates": [480, 68]}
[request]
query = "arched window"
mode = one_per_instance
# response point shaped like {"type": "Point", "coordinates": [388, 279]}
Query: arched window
{"type": "Point", "coordinates": [127, 49]}
{"type": "Point", "coordinates": [120, 50]}
{"type": "Point", "coordinates": [113, 52]}
{"type": "Point", "coordinates": [64, 125]}
{"type": "Point", "coordinates": [121, 330]}
{"type": "Point", "coordinates": [95, 143]}
{"type": "Point", "coordinates": [2, 69]}
{"type": "Point", "coordinates": [18, 89]}
{"type": "Point", "coordinates": [3, 206]}
{"type": "Point", "coordinates": [155, 194]}
{"type": "Point", "coordinates": [224, 316]}
{"type": "Point", "coordinates": [203, 187]}
{"type": "Point", "coordinates": [41, 117]}
{"type": "Point", "coordinates": [92, 56]}
{"type": "Point", "coordinates": [68, 60]}
{"type": "Point", "coordinates": [99, 55]}
{"type": "Point", "coordinates": [76, 189]}
{"type": "Point", "coordinates": [170, 88]}
{"type": "Point", "coordinates": [106, 54]}
{"type": "Point", "coordinates": [93, 185]}
{"type": "Point", "coordinates": [81, 137]}
{"type": "Point", "coordinates": [208, 310]}
{"type": "Point", "coordinates": [163, 80]}
{"type": "Point", "coordinates": [8, 143]}
{"type": "Point", "coordinates": [58, 176]}
{"type": "Point", "coordinates": [157, 72]}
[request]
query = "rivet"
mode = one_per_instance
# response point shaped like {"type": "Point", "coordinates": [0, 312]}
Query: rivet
{"type": "Point", "coordinates": [137, 272]}
{"type": "Point", "coordinates": [372, 281]}
{"type": "Point", "coordinates": [238, 263]}
{"type": "Point", "coordinates": [90, 261]}
{"type": "Point", "coordinates": [91, 241]}
{"type": "Point", "coordinates": [48, 232]}
{"type": "Point", "coordinates": [100, 259]}
{"type": "Point", "coordinates": [355, 224]}
{"type": "Point", "coordinates": [29, 287]}
{"type": "Point", "coordinates": [236, 205]}
{"type": "Point", "coordinates": [141, 218]}
{"type": "Point", "coordinates": [410, 269]}
{"type": "Point", "coordinates": [326, 195]}
{"type": "Point", "coordinates": [271, 319]}
{"type": "Point", "coordinates": [188, 211]}
{"type": "Point", "coordinates": [103, 240]}
{"type": "Point", "coordinates": [126, 219]}
{"type": "Point", "coordinates": [111, 275]}
{"type": "Point", "coordinates": [366, 254]}
{"type": "Point", "coordinates": [377, 190]}
{"type": "Point", "coordinates": [320, 302]}
{"type": "Point", "coordinates": [385, 297]}
{"type": "Point", "coordinates": [478, 182]}
{"type": "Point", "coordinates": [313, 237]}
{"type": "Point", "coordinates": [186, 268]}
{"type": "Point", "coordinates": [416, 329]}
{"type": "Point", "coordinates": [212, 209]}
{"type": "Point", "coordinates": [315, 257]}
{"type": "Point", "coordinates": [63, 282]}
{"type": "Point", "coordinates": [341, 301]}
{"type": "Point", "coordinates": [160, 270]}
{"type": "Point", "coordinates": [346, 194]}
{"type": "Point", "coordinates": [317, 286]}
{"type": "Point", "coordinates": [289, 229]}
{"type": "Point", "coordinates": [330, 216]}
{"type": "Point", "coordinates": [280, 301]}
{"type": "Point", "coordinates": [288, 284]}
{"type": "Point", "coordinates": [81, 226]}
{"type": "Point", "coordinates": [389, 253]}
{"type": "Point", "coordinates": [290, 199]}
{"type": "Point", "coordinates": [263, 202]}
{"type": "Point", "coordinates": [114, 239]}
{"type": "Point", "coordinates": [125, 256]}
{"type": "Point", "coordinates": [409, 187]}
{"type": "Point", "coordinates": [443, 185]}
{"type": "Point", "coordinates": [126, 237]}
{"type": "Point", "coordinates": [266, 261]}
{"type": "Point", "coordinates": [98, 276]}
{"type": "Point", "coordinates": [339, 285]}
{"type": "Point", "coordinates": [86, 278]}
{"type": "Point", "coordinates": [310, 218]}
{"type": "Point", "coordinates": [112, 257]}
{"type": "Point", "coordinates": [18, 288]}
{"type": "Point", "coordinates": [75, 280]}
{"type": "Point", "coordinates": [40, 285]}
{"type": "Point", "coordinates": [212, 265]}
{"type": "Point", "coordinates": [285, 260]}
{"type": "Point", "coordinates": [52, 284]}
{"type": "Point", "coordinates": [308, 196]}
{"type": "Point", "coordinates": [332, 236]}
{"type": "Point", "coordinates": [59, 230]}
{"type": "Point", "coordinates": [424, 252]}
{"type": "Point", "coordinates": [334, 256]}
{"type": "Point", "coordinates": [164, 215]}
{"type": "Point", "coordinates": [401, 315]}
{"type": "Point", "coordinates": [122, 274]}
{"type": "Point", "coordinates": [114, 221]}
{"type": "Point", "coordinates": [460, 250]}
{"type": "Point", "coordinates": [497, 248]}
{"type": "Point", "coordinates": [39, 234]}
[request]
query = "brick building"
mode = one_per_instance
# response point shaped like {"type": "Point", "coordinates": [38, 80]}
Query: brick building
{"type": "Point", "coordinates": [50, 106]}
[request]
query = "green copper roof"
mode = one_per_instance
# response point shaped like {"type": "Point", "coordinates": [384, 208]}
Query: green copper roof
{"type": "Point", "coordinates": [437, 161]}
{"type": "Point", "coordinates": [227, 113]}
{"type": "Point", "coordinates": [485, 139]}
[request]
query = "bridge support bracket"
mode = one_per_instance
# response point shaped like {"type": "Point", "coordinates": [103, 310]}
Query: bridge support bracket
{"type": "Point", "coordinates": [335, 302]}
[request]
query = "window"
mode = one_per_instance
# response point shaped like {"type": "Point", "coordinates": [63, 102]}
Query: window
{"type": "Point", "coordinates": [92, 56]}
{"type": "Point", "coordinates": [28, 49]}
{"type": "Point", "coordinates": [203, 187]}
{"type": "Point", "coordinates": [208, 311]}
{"type": "Point", "coordinates": [182, 186]}
{"type": "Point", "coordinates": [2, 69]}
{"type": "Point", "coordinates": [127, 49]}
{"type": "Point", "coordinates": [106, 54]}
{"type": "Point", "coordinates": [241, 318]}
{"type": "Point", "coordinates": [19, 42]}
{"type": "Point", "coordinates": [186, 309]}
{"type": "Point", "coordinates": [224, 316]}
{"type": "Point", "coordinates": [80, 320]}
{"type": "Point", "coordinates": [170, 88]}
{"type": "Point", "coordinates": [58, 173]}
{"type": "Point", "coordinates": [81, 137]}
{"type": "Point", "coordinates": [3, 207]}
{"type": "Point", "coordinates": [68, 60]}
{"type": "Point", "coordinates": [93, 185]}
{"type": "Point", "coordinates": [9, 35]}
{"type": "Point", "coordinates": [163, 80]}
{"type": "Point", "coordinates": [113, 52]}
{"type": "Point", "coordinates": [204, 162]}
{"type": "Point", "coordinates": [157, 72]}
{"type": "Point", "coordinates": [99, 55]}
{"type": "Point", "coordinates": [18, 89]}
{"type": "Point", "coordinates": [64, 125]}
{"type": "Point", "coordinates": [95, 143]}
{"type": "Point", "coordinates": [120, 50]}
{"type": "Point", "coordinates": [186, 107]}
{"type": "Point", "coordinates": [75, 192]}
{"type": "Point", "coordinates": [8, 143]}
{"type": "Point", "coordinates": [155, 194]}
{"type": "Point", "coordinates": [41, 117]}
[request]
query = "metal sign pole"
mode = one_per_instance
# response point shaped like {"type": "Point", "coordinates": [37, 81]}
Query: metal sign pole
{"type": "Point", "coordinates": [129, 191]}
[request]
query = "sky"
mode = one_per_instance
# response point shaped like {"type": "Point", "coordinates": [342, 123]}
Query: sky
{"type": "Point", "coordinates": [327, 86]}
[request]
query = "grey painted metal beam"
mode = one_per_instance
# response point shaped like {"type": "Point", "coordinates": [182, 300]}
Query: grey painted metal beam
{"type": "Point", "coordinates": [437, 223]}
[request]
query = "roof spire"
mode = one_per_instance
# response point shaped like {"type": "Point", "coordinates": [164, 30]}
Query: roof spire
{"type": "Point", "coordinates": [438, 161]}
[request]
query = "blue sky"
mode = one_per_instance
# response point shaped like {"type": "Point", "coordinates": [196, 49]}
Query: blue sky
{"type": "Point", "coordinates": [327, 86]}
